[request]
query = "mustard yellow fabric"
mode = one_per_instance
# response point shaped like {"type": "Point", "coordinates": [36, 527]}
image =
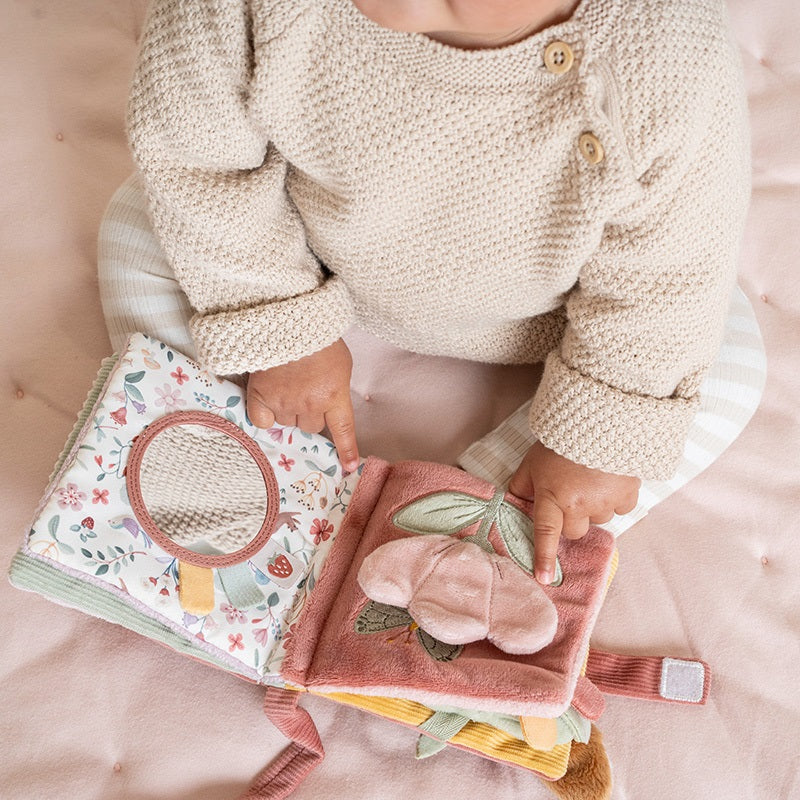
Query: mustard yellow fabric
{"type": "Point", "coordinates": [196, 589]}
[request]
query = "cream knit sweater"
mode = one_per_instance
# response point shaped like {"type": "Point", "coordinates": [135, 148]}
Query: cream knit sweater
{"type": "Point", "coordinates": [307, 169]}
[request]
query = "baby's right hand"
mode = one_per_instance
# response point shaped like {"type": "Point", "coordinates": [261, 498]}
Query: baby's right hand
{"type": "Point", "coordinates": [310, 393]}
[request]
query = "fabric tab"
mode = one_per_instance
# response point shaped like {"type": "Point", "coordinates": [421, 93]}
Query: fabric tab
{"type": "Point", "coordinates": [672, 680]}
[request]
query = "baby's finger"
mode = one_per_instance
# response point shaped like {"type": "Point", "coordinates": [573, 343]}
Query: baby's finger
{"type": "Point", "coordinates": [601, 518]}
{"type": "Point", "coordinates": [286, 418]}
{"type": "Point", "coordinates": [342, 427]}
{"type": "Point", "coordinates": [575, 527]}
{"type": "Point", "coordinates": [310, 423]}
{"type": "Point", "coordinates": [548, 521]}
{"type": "Point", "coordinates": [258, 412]}
{"type": "Point", "coordinates": [628, 504]}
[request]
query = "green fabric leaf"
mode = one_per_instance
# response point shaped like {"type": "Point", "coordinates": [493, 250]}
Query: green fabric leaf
{"type": "Point", "coordinates": [441, 512]}
{"type": "Point", "coordinates": [377, 617]}
{"type": "Point", "coordinates": [516, 531]}
{"type": "Point", "coordinates": [134, 377]}
{"type": "Point", "coordinates": [573, 727]}
{"type": "Point", "coordinates": [232, 401]}
{"type": "Point", "coordinates": [52, 526]}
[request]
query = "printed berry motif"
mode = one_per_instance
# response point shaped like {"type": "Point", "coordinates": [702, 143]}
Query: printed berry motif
{"type": "Point", "coordinates": [279, 567]}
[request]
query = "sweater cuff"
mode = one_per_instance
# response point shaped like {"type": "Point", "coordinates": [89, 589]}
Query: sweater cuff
{"type": "Point", "coordinates": [274, 333]}
{"type": "Point", "coordinates": [601, 427]}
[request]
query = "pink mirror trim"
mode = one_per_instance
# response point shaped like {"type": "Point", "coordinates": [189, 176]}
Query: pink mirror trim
{"type": "Point", "coordinates": [133, 482]}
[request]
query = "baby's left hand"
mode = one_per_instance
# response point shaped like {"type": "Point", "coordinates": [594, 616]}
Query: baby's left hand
{"type": "Point", "coordinates": [567, 498]}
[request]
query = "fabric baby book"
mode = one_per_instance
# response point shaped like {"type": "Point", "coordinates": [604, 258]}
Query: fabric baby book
{"type": "Point", "coordinates": [404, 589]}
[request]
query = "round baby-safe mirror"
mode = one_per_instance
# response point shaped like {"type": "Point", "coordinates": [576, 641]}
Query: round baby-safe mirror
{"type": "Point", "coordinates": [202, 488]}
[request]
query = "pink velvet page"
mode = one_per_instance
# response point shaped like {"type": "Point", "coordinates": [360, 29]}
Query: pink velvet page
{"type": "Point", "coordinates": [327, 654]}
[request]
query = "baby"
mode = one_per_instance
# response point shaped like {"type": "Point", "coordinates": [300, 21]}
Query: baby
{"type": "Point", "coordinates": [510, 181]}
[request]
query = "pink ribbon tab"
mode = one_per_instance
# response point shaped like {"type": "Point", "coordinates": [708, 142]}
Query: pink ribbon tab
{"type": "Point", "coordinates": [290, 769]}
{"type": "Point", "coordinates": [670, 680]}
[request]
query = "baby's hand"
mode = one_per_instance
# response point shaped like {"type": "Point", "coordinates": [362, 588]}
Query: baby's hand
{"type": "Point", "coordinates": [567, 498]}
{"type": "Point", "coordinates": [311, 393]}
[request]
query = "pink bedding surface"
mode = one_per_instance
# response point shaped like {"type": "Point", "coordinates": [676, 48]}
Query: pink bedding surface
{"type": "Point", "coordinates": [92, 711]}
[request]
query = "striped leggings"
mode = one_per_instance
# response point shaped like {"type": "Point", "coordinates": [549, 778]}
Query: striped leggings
{"type": "Point", "coordinates": [139, 292]}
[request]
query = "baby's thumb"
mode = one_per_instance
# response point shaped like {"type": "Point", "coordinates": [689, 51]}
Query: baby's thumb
{"type": "Point", "coordinates": [258, 412]}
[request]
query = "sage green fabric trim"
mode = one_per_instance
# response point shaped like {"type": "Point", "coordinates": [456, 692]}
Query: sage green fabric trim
{"type": "Point", "coordinates": [573, 727]}
{"type": "Point", "coordinates": [503, 722]}
{"type": "Point", "coordinates": [427, 747]}
{"type": "Point", "coordinates": [106, 367]}
{"type": "Point", "coordinates": [36, 576]}
{"type": "Point", "coordinates": [444, 726]}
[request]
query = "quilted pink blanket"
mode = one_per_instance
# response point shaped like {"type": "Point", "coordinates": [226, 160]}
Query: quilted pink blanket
{"type": "Point", "coordinates": [93, 711]}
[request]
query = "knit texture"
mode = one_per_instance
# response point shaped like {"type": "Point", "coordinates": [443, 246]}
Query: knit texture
{"type": "Point", "coordinates": [200, 485]}
{"type": "Point", "coordinates": [307, 169]}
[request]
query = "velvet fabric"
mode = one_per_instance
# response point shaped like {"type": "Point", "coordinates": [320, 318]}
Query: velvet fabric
{"type": "Point", "coordinates": [327, 654]}
{"type": "Point", "coordinates": [459, 593]}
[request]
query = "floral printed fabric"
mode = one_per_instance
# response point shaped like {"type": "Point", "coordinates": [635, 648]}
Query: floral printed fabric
{"type": "Point", "coordinates": [86, 525]}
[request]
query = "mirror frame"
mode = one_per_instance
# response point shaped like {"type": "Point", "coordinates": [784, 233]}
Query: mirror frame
{"type": "Point", "coordinates": [133, 469]}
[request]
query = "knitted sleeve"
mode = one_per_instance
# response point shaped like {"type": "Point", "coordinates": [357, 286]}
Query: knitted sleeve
{"type": "Point", "coordinates": [646, 317]}
{"type": "Point", "coordinates": [215, 186]}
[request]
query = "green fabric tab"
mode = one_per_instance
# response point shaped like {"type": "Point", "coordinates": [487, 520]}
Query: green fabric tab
{"type": "Point", "coordinates": [240, 586]}
{"type": "Point", "coordinates": [443, 726]}
{"type": "Point", "coordinates": [504, 722]}
{"type": "Point", "coordinates": [573, 727]}
{"type": "Point", "coordinates": [427, 747]}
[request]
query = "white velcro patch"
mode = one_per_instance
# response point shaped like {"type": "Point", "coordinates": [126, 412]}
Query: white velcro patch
{"type": "Point", "coordinates": [682, 680]}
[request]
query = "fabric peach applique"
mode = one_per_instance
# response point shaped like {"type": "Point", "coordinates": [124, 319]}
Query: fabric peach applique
{"type": "Point", "coordinates": [459, 590]}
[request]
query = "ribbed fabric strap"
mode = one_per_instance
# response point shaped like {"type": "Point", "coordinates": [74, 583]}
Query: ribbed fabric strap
{"type": "Point", "coordinates": [292, 766]}
{"type": "Point", "coordinates": [587, 699]}
{"type": "Point", "coordinates": [669, 680]}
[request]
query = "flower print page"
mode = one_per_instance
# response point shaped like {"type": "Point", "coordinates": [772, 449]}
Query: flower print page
{"type": "Point", "coordinates": [322, 534]}
{"type": "Point", "coordinates": [87, 527]}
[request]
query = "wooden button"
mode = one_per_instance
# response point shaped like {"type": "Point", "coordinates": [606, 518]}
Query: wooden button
{"type": "Point", "coordinates": [558, 58]}
{"type": "Point", "coordinates": [590, 148]}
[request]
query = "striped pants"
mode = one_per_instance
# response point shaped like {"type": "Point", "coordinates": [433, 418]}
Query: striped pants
{"type": "Point", "coordinates": [139, 292]}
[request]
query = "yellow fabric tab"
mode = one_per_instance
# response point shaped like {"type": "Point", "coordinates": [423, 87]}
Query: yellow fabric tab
{"type": "Point", "coordinates": [475, 735]}
{"type": "Point", "coordinates": [196, 589]}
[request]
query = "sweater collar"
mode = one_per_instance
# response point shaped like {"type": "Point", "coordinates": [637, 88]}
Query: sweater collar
{"type": "Point", "coordinates": [503, 68]}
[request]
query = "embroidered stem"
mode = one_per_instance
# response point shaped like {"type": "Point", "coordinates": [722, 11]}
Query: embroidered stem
{"type": "Point", "coordinates": [481, 538]}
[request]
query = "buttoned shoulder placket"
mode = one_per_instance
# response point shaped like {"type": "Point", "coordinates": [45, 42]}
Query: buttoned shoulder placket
{"type": "Point", "coordinates": [602, 158]}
